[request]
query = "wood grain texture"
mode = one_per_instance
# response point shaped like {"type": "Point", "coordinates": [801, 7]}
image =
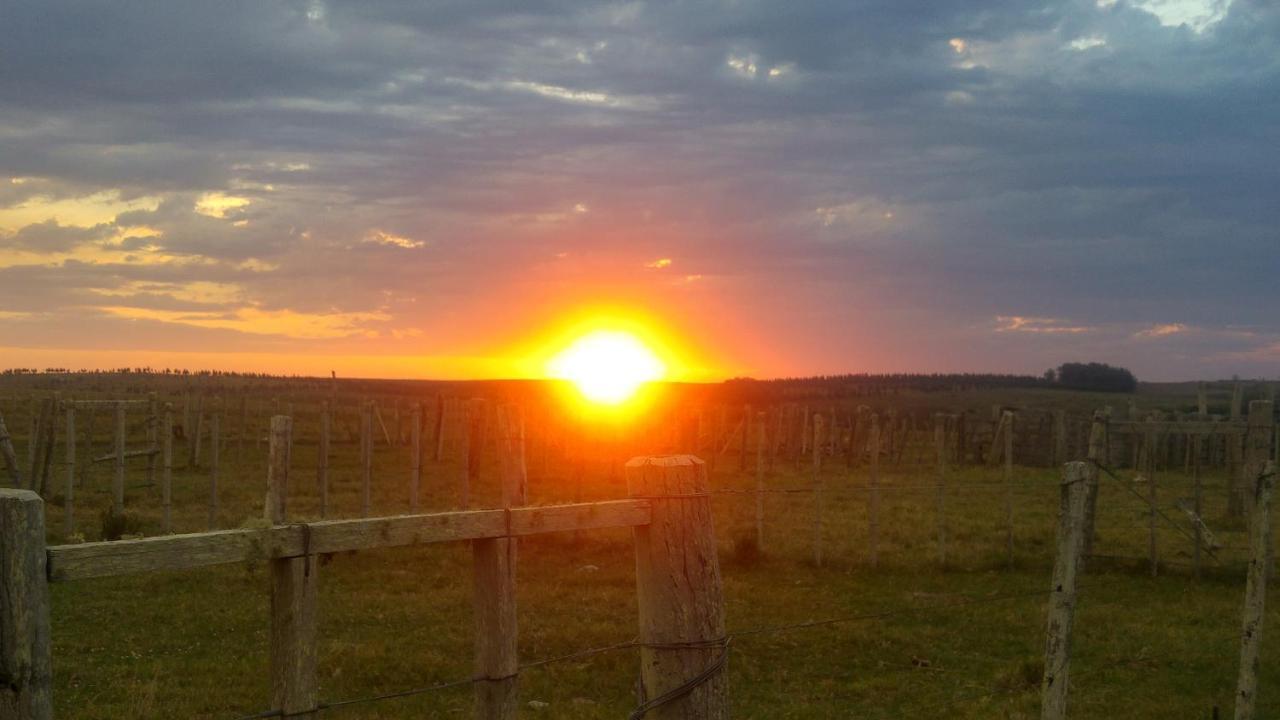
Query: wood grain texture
{"type": "Point", "coordinates": [1055, 684]}
{"type": "Point", "coordinates": [25, 666]}
{"type": "Point", "coordinates": [1255, 594]}
{"type": "Point", "coordinates": [678, 587]}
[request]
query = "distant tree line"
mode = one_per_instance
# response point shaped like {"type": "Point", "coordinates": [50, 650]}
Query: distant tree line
{"type": "Point", "coordinates": [1099, 377]}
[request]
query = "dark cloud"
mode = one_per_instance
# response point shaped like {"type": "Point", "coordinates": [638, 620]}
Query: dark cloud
{"type": "Point", "coordinates": [909, 171]}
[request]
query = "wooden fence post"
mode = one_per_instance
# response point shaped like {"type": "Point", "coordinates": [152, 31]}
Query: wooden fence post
{"type": "Point", "coordinates": [1006, 422]}
{"type": "Point", "coordinates": [940, 445]}
{"type": "Point", "coordinates": [153, 432]}
{"type": "Point", "coordinates": [1059, 437]}
{"type": "Point", "coordinates": [497, 652]}
{"type": "Point", "coordinates": [366, 458]}
{"type": "Point", "coordinates": [10, 457]}
{"type": "Point", "coordinates": [1062, 599]}
{"type": "Point", "coordinates": [873, 506]}
{"type": "Point", "coordinates": [415, 462]}
{"type": "Point", "coordinates": [215, 438]}
{"type": "Point", "coordinates": [1255, 594]}
{"type": "Point", "coordinates": [818, 421]}
{"type": "Point", "coordinates": [293, 594]}
{"type": "Point", "coordinates": [678, 591]}
{"type": "Point", "coordinates": [117, 486]}
{"type": "Point", "coordinates": [193, 460]}
{"type": "Point", "coordinates": [69, 494]}
{"type": "Point", "coordinates": [1149, 453]}
{"type": "Point", "coordinates": [25, 665]}
{"type": "Point", "coordinates": [1257, 446]}
{"type": "Point", "coordinates": [1097, 453]}
{"type": "Point", "coordinates": [761, 441]}
{"type": "Point", "coordinates": [322, 461]}
{"type": "Point", "coordinates": [166, 473]}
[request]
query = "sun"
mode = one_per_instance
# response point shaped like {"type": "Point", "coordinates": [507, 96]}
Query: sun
{"type": "Point", "coordinates": [607, 366]}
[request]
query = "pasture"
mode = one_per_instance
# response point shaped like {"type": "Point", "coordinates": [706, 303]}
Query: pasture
{"type": "Point", "coordinates": [912, 636]}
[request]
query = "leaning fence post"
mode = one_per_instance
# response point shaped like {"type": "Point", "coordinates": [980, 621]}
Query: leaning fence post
{"type": "Point", "coordinates": [1062, 598]}
{"type": "Point", "coordinates": [366, 457]}
{"type": "Point", "coordinates": [25, 667]}
{"type": "Point", "coordinates": [1149, 453]}
{"type": "Point", "coordinates": [1255, 594]}
{"type": "Point", "coordinates": [1007, 423]}
{"type": "Point", "coordinates": [678, 591]}
{"type": "Point", "coordinates": [10, 457]}
{"type": "Point", "coordinates": [293, 594]}
{"type": "Point", "coordinates": [497, 694]}
{"type": "Point", "coordinates": [1097, 454]}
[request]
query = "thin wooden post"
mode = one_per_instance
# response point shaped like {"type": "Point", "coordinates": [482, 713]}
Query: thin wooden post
{"type": "Point", "coordinates": [415, 462]}
{"type": "Point", "coordinates": [473, 446]}
{"type": "Point", "coordinates": [441, 406]}
{"type": "Point", "coordinates": [678, 590]}
{"type": "Point", "coordinates": [1197, 496]}
{"type": "Point", "coordinates": [25, 664]}
{"type": "Point", "coordinates": [117, 487]}
{"type": "Point", "coordinates": [1255, 594]}
{"type": "Point", "coordinates": [497, 652]}
{"type": "Point", "coordinates": [215, 438]}
{"type": "Point", "coordinates": [322, 461]}
{"type": "Point", "coordinates": [1257, 446]}
{"type": "Point", "coordinates": [940, 445]}
{"type": "Point", "coordinates": [366, 458]}
{"type": "Point", "coordinates": [153, 431]}
{"type": "Point", "coordinates": [166, 474]}
{"type": "Point", "coordinates": [1149, 447]}
{"type": "Point", "coordinates": [69, 494]}
{"type": "Point", "coordinates": [873, 507]}
{"type": "Point", "coordinates": [1062, 599]}
{"type": "Point", "coordinates": [193, 460]}
{"type": "Point", "coordinates": [1097, 454]}
{"type": "Point", "coordinates": [747, 416]}
{"type": "Point", "coordinates": [761, 441]}
{"type": "Point", "coordinates": [1007, 422]}
{"type": "Point", "coordinates": [293, 594]}
{"type": "Point", "coordinates": [244, 428]}
{"type": "Point", "coordinates": [1059, 437]}
{"type": "Point", "coordinates": [817, 488]}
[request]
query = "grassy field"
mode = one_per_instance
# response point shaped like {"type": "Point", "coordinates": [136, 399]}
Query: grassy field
{"type": "Point", "coordinates": [964, 640]}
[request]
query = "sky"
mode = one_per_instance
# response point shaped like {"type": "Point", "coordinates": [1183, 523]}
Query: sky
{"type": "Point", "coordinates": [449, 189]}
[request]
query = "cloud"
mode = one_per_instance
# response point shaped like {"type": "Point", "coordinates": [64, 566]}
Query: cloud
{"type": "Point", "coordinates": [1161, 330]}
{"type": "Point", "coordinates": [905, 174]}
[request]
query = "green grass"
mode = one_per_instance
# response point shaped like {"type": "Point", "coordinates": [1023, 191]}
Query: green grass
{"type": "Point", "coordinates": [194, 643]}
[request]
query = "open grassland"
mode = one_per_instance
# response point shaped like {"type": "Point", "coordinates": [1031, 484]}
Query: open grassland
{"type": "Point", "coordinates": [962, 640]}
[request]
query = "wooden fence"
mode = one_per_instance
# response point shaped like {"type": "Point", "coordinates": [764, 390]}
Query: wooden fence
{"type": "Point", "coordinates": [681, 613]}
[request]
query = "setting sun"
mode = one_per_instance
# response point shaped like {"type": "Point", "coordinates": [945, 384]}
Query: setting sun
{"type": "Point", "coordinates": [607, 366]}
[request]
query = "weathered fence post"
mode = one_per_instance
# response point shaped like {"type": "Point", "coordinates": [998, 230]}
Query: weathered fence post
{"type": "Point", "coordinates": [1062, 599]}
{"type": "Point", "coordinates": [1255, 594]}
{"type": "Point", "coordinates": [415, 462]}
{"type": "Point", "coordinates": [678, 591]}
{"type": "Point", "coordinates": [293, 594]}
{"type": "Point", "coordinates": [68, 501]}
{"type": "Point", "coordinates": [817, 488]}
{"type": "Point", "coordinates": [322, 461]}
{"type": "Point", "coordinates": [1059, 436]}
{"type": "Point", "coordinates": [25, 666]}
{"type": "Point", "coordinates": [193, 459]}
{"type": "Point", "coordinates": [497, 652]}
{"type": "Point", "coordinates": [117, 486]}
{"type": "Point", "coordinates": [873, 507]}
{"type": "Point", "coordinates": [166, 473]}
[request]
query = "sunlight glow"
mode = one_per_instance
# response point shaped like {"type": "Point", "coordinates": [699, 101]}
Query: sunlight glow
{"type": "Point", "coordinates": [607, 366]}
